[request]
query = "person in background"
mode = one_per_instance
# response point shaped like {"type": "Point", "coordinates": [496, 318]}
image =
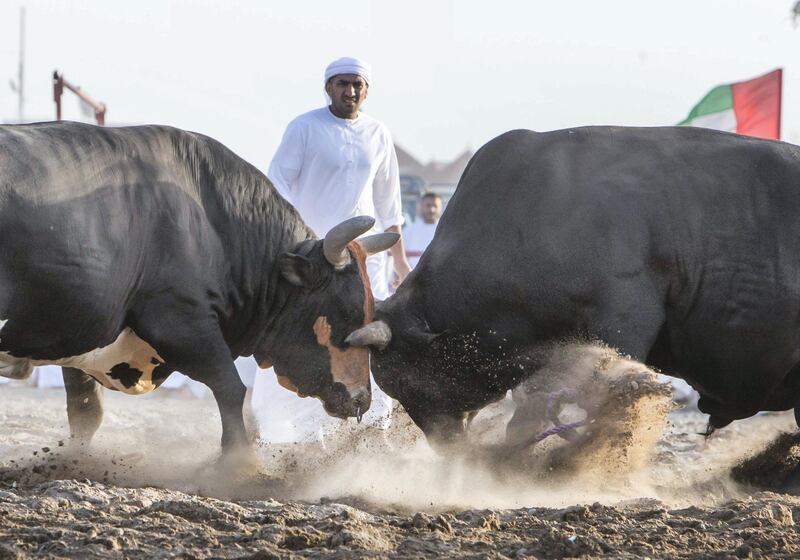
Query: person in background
{"type": "Point", "coordinates": [332, 164]}
{"type": "Point", "coordinates": [418, 235]}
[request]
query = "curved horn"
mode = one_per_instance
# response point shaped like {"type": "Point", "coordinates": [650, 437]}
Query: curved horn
{"type": "Point", "coordinates": [379, 242]}
{"type": "Point", "coordinates": [335, 244]}
{"type": "Point", "coordinates": [376, 334]}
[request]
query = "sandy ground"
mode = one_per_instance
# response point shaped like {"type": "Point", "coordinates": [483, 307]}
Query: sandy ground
{"type": "Point", "coordinates": [149, 488]}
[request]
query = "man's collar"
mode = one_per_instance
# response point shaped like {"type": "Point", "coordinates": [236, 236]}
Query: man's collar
{"type": "Point", "coordinates": [330, 112]}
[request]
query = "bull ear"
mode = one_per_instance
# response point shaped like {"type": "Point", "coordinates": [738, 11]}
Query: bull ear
{"type": "Point", "coordinates": [427, 338]}
{"type": "Point", "coordinates": [421, 335]}
{"type": "Point", "coordinates": [297, 270]}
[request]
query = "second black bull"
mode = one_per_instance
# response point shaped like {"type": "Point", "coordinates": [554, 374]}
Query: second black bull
{"type": "Point", "coordinates": [677, 246]}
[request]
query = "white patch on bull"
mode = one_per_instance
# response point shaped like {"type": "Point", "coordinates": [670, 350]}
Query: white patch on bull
{"type": "Point", "coordinates": [127, 349]}
{"type": "Point", "coordinates": [12, 367]}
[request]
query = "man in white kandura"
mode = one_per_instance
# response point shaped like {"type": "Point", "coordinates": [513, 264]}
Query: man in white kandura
{"type": "Point", "coordinates": [334, 163]}
{"type": "Point", "coordinates": [418, 234]}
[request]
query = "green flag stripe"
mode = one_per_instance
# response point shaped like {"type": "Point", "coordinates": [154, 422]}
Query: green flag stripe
{"type": "Point", "coordinates": [718, 99]}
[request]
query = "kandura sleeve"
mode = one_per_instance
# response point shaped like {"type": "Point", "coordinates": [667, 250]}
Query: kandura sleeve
{"type": "Point", "coordinates": [386, 189]}
{"type": "Point", "coordinates": [288, 161]}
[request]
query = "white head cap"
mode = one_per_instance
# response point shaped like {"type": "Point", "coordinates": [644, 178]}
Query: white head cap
{"type": "Point", "coordinates": [349, 65]}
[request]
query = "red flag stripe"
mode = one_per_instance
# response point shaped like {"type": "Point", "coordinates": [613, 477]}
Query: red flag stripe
{"type": "Point", "coordinates": [757, 105]}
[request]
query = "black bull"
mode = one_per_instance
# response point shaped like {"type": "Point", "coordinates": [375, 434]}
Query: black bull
{"type": "Point", "coordinates": [677, 246]}
{"type": "Point", "coordinates": [128, 253]}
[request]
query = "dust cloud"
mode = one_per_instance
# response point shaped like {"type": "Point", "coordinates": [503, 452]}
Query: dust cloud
{"type": "Point", "coordinates": [636, 447]}
{"type": "Point", "coordinates": [640, 445]}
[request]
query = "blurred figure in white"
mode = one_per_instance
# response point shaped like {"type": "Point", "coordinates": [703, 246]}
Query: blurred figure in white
{"type": "Point", "coordinates": [335, 163]}
{"type": "Point", "coordinates": [183, 386]}
{"type": "Point", "coordinates": [682, 392]}
{"type": "Point", "coordinates": [49, 377]}
{"type": "Point", "coordinates": [418, 234]}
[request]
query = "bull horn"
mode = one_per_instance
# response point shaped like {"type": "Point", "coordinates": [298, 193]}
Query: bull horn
{"type": "Point", "coordinates": [377, 334]}
{"type": "Point", "coordinates": [335, 244]}
{"type": "Point", "coordinates": [379, 242]}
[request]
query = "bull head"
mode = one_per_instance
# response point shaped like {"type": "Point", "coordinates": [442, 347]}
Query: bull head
{"type": "Point", "coordinates": [335, 300]}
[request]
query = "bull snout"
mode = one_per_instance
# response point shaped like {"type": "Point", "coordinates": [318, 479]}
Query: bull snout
{"type": "Point", "coordinates": [347, 404]}
{"type": "Point", "coordinates": [446, 433]}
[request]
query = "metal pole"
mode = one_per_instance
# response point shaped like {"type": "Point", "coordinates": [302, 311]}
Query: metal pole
{"type": "Point", "coordinates": [21, 74]}
{"type": "Point", "coordinates": [58, 89]}
{"type": "Point", "coordinates": [99, 107]}
{"type": "Point", "coordinates": [59, 83]}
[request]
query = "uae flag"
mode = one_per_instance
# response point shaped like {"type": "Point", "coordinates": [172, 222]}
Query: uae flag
{"type": "Point", "coordinates": [752, 107]}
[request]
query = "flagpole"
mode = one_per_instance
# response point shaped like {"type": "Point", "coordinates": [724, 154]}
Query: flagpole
{"type": "Point", "coordinates": [21, 69]}
{"type": "Point", "coordinates": [780, 99]}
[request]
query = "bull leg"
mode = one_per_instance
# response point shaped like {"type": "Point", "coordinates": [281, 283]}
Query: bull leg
{"type": "Point", "coordinates": [229, 391]}
{"type": "Point", "coordinates": [792, 481]}
{"type": "Point", "coordinates": [237, 456]}
{"type": "Point", "coordinates": [219, 374]}
{"type": "Point", "coordinates": [529, 415]}
{"type": "Point", "coordinates": [189, 343]}
{"type": "Point", "coordinates": [84, 404]}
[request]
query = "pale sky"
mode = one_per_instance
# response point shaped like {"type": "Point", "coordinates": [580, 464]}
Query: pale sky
{"type": "Point", "coordinates": [447, 74]}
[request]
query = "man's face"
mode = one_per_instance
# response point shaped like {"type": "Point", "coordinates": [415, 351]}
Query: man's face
{"type": "Point", "coordinates": [430, 209]}
{"type": "Point", "coordinates": [347, 93]}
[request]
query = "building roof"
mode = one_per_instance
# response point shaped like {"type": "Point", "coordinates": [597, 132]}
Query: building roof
{"type": "Point", "coordinates": [434, 172]}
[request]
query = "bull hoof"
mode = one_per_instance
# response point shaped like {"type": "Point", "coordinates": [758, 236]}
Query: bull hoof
{"type": "Point", "coordinates": [231, 468]}
{"type": "Point", "coordinates": [133, 458]}
{"type": "Point", "coordinates": [239, 462]}
{"type": "Point", "coordinates": [79, 444]}
{"type": "Point", "coordinates": [715, 423]}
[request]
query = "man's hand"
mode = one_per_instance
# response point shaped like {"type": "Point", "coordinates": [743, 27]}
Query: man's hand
{"type": "Point", "coordinates": [398, 252]}
{"type": "Point", "coordinates": [401, 270]}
